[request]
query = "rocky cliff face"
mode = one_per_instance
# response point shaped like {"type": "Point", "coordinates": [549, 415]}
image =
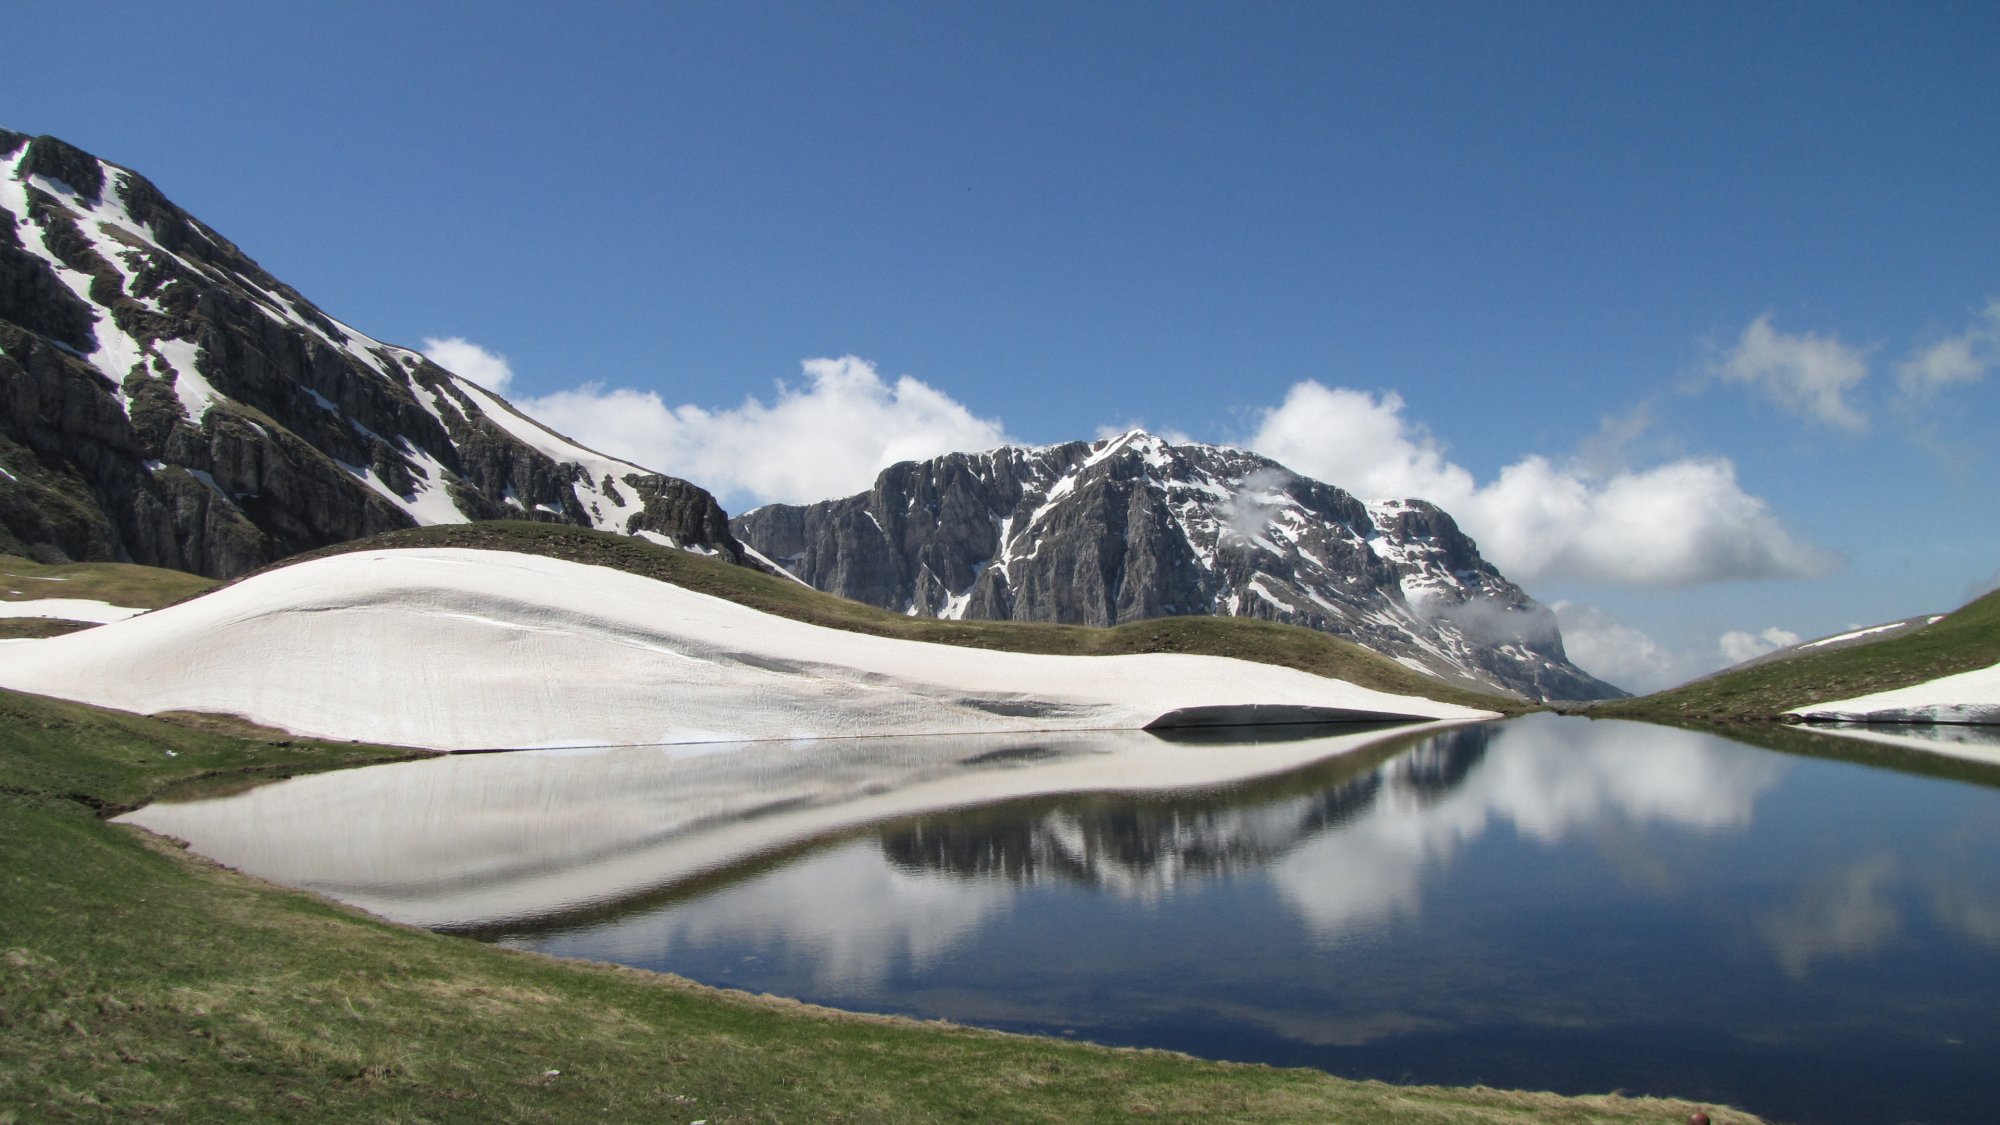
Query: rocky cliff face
{"type": "Point", "coordinates": [1134, 527]}
{"type": "Point", "coordinates": [164, 400]}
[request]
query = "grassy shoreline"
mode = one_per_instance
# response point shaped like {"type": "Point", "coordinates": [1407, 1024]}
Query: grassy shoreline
{"type": "Point", "coordinates": [1964, 640]}
{"type": "Point", "coordinates": [138, 980]}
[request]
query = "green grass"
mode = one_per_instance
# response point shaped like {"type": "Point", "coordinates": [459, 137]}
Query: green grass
{"type": "Point", "coordinates": [140, 587]}
{"type": "Point", "coordinates": [1244, 638]}
{"type": "Point", "coordinates": [1961, 642]}
{"type": "Point", "coordinates": [35, 628]}
{"type": "Point", "coordinates": [138, 981]}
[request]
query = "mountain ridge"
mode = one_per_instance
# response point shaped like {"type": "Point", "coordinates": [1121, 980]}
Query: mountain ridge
{"type": "Point", "coordinates": [169, 402]}
{"type": "Point", "coordinates": [1133, 527]}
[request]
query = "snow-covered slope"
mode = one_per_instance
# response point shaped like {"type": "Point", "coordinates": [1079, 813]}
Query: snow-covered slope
{"type": "Point", "coordinates": [1968, 697]}
{"type": "Point", "coordinates": [1134, 527]}
{"type": "Point", "coordinates": [458, 649]}
{"type": "Point", "coordinates": [170, 402]}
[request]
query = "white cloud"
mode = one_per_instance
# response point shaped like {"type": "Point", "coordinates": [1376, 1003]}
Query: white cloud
{"type": "Point", "coordinates": [461, 356]}
{"type": "Point", "coordinates": [1361, 443]}
{"type": "Point", "coordinates": [829, 437]}
{"type": "Point", "coordinates": [1964, 358]}
{"type": "Point", "coordinates": [1683, 523]}
{"type": "Point", "coordinates": [1809, 374]}
{"type": "Point", "coordinates": [1621, 654]}
{"type": "Point", "coordinates": [1737, 646]}
{"type": "Point", "coordinates": [1171, 435]}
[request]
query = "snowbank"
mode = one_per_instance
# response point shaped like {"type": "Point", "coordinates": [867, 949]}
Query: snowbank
{"type": "Point", "coordinates": [462, 649]}
{"type": "Point", "coordinates": [69, 609]}
{"type": "Point", "coordinates": [1969, 697]}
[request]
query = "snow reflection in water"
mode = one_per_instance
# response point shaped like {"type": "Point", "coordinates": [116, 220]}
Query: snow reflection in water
{"type": "Point", "coordinates": [1543, 903]}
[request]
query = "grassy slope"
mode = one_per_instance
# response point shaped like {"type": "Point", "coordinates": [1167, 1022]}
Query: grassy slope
{"type": "Point", "coordinates": [137, 980]}
{"type": "Point", "coordinates": [142, 587]}
{"type": "Point", "coordinates": [1243, 638]}
{"type": "Point", "coordinates": [1963, 641]}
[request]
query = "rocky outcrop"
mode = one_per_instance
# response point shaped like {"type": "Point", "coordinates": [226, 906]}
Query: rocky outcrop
{"type": "Point", "coordinates": [1134, 527]}
{"type": "Point", "coordinates": [164, 400]}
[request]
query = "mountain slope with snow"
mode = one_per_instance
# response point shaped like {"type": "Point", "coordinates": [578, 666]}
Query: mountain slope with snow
{"type": "Point", "coordinates": [1135, 527]}
{"type": "Point", "coordinates": [465, 649]}
{"type": "Point", "coordinates": [164, 400]}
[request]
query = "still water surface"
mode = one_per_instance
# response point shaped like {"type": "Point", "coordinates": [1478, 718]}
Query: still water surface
{"type": "Point", "coordinates": [1545, 903]}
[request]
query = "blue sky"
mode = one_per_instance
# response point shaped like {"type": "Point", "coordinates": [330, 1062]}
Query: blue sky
{"type": "Point", "coordinates": [1727, 268]}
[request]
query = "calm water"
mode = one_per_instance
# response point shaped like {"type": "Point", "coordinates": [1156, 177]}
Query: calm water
{"type": "Point", "coordinates": [1545, 903]}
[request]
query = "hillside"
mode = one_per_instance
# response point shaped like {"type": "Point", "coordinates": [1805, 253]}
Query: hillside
{"type": "Point", "coordinates": [458, 649]}
{"type": "Point", "coordinates": [164, 399]}
{"type": "Point", "coordinates": [1264, 642]}
{"type": "Point", "coordinates": [64, 597]}
{"type": "Point", "coordinates": [1962, 641]}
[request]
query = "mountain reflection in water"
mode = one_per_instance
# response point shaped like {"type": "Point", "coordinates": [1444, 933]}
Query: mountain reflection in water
{"type": "Point", "coordinates": [1146, 847]}
{"type": "Point", "coordinates": [1544, 903]}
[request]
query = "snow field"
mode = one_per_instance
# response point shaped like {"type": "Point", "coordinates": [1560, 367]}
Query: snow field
{"type": "Point", "coordinates": [462, 649]}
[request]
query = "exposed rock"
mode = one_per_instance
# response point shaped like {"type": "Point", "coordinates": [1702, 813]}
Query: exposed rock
{"type": "Point", "coordinates": [164, 400]}
{"type": "Point", "coordinates": [1133, 527]}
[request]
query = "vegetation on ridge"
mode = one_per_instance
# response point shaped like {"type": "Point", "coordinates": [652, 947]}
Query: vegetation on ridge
{"type": "Point", "coordinates": [137, 980]}
{"type": "Point", "coordinates": [1243, 638]}
{"type": "Point", "coordinates": [1962, 641]}
{"type": "Point", "coordinates": [140, 587]}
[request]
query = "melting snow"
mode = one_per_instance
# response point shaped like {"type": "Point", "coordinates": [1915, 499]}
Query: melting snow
{"type": "Point", "coordinates": [396, 647]}
{"type": "Point", "coordinates": [1968, 697]}
{"type": "Point", "coordinates": [69, 609]}
{"type": "Point", "coordinates": [1854, 634]}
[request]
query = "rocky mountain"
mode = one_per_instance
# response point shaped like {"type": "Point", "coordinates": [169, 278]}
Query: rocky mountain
{"type": "Point", "coordinates": [1135, 527]}
{"type": "Point", "coordinates": [164, 400]}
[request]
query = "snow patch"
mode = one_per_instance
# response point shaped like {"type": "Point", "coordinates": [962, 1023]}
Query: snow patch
{"type": "Point", "coordinates": [1968, 697]}
{"type": "Point", "coordinates": [69, 609]}
{"type": "Point", "coordinates": [1854, 634]}
{"type": "Point", "coordinates": [396, 647]}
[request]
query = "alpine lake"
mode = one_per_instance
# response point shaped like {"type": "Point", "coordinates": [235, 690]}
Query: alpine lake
{"type": "Point", "coordinates": [1808, 928]}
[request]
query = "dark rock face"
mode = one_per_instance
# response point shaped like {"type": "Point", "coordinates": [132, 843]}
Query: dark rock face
{"type": "Point", "coordinates": [1133, 527]}
{"type": "Point", "coordinates": [164, 400]}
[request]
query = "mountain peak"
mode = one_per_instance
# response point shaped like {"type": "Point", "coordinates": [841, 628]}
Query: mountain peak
{"type": "Point", "coordinates": [1132, 526]}
{"type": "Point", "coordinates": [172, 403]}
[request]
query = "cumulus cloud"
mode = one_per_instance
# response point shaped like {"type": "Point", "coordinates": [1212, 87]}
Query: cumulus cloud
{"type": "Point", "coordinates": [826, 437]}
{"type": "Point", "coordinates": [1621, 654]}
{"type": "Point", "coordinates": [1683, 523]}
{"type": "Point", "coordinates": [1808, 374]}
{"type": "Point", "coordinates": [1737, 646]}
{"type": "Point", "coordinates": [1176, 437]}
{"type": "Point", "coordinates": [1964, 358]}
{"type": "Point", "coordinates": [461, 356]}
